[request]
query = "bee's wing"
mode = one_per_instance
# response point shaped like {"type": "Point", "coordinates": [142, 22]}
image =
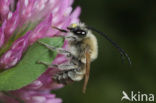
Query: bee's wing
{"type": "Point", "coordinates": [87, 71]}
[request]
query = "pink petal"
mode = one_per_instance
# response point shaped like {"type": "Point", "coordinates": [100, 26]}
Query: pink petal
{"type": "Point", "coordinates": [41, 30]}
{"type": "Point", "coordinates": [4, 9]}
{"type": "Point", "coordinates": [11, 57]}
{"type": "Point", "coordinates": [11, 24]}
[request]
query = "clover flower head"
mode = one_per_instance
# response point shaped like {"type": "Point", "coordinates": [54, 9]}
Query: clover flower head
{"type": "Point", "coordinates": [22, 23]}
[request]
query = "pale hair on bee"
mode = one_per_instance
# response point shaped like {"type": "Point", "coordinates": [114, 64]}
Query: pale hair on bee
{"type": "Point", "coordinates": [81, 39]}
{"type": "Point", "coordinates": [82, 49]}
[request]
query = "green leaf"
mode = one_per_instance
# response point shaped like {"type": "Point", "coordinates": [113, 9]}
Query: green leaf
{"type": "Point", "coordinates": [28, 70]}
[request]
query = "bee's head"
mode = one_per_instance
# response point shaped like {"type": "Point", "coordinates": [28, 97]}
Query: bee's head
{"type": "Point", "coordinates": [78, 30]}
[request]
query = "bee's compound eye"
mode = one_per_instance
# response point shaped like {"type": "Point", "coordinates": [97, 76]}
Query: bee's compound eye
{"type": "Point", "coordinates": [80, 32]}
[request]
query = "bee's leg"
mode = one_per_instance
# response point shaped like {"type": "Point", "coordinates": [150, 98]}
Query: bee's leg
{"type": "Point", "coordinates": [59, 50]}
{"type": "Point", "coordinates": [67, 66]}
{"type": "Point", "coordinates": [62, 77]}
{"type": "Point", "coordinates": [68, 72]}
{"type": "Point", "coordinates": [47, 46]}
{"type": "Point", "coordinates": [61, 67]}
{"type": "Point", "coordinates": [47, 64]}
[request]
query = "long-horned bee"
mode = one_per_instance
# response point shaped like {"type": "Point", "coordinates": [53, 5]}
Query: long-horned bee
{"type": "Point", "coordinates": [82, 49]}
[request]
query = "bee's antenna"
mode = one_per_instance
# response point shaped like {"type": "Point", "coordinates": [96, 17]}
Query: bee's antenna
{"type": "Point", "coordinates": [122, 52]}
{"type": "Point", "coordinates": [62, 30]}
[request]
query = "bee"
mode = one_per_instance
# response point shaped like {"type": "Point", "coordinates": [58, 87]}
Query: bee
{"type": "Point", "coordinates": [82, 49]}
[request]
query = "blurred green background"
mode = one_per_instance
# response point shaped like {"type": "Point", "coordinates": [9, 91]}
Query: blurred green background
{"type": "Point", "coordinates": [132, 25]}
